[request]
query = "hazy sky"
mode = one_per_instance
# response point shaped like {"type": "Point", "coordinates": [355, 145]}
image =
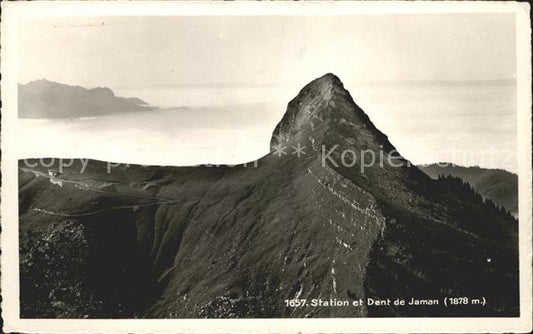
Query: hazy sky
{"type": "Point", "coordinates": [199, 51]}
{"type": "Point", "coordinates": [245, 63]}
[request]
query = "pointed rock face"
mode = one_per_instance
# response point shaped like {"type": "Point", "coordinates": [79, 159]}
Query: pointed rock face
{"type": "Point", "coordinates": [324, 117]}
{"type": "Point", "coordinates": [325, 113]}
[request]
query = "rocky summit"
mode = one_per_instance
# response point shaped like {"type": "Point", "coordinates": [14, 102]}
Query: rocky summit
{"type": "Point", "coordinates": [334, 222]}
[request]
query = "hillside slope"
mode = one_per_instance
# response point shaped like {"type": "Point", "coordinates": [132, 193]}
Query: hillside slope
{"type": "Point", "coordinates": [48, 99]}
{"type": "Point", "coordinates": [498, 185]}
{"type": "Point", "coordinates": [217, 242]}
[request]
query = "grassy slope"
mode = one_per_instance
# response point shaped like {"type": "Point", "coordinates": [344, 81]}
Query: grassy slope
{"type": "Point", "coordinates": [227, 233]}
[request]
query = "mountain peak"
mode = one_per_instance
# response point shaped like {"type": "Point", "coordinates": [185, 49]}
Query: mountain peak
{"type": "Point", "coordinates": [325, 111]}
{"type": "Point", "coordinates": [311, 106]}
{"type": "Point", "coordinates": [328, 80]}
{"type": "Point", "coordinates": [325, 86]}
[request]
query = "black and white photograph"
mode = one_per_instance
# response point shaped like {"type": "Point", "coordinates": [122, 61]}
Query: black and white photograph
{"type": "Point", "coordinates": [274, 167]}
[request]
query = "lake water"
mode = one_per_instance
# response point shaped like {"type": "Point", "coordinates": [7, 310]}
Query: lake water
{"type": "Point", "coordinates": [468, 124]}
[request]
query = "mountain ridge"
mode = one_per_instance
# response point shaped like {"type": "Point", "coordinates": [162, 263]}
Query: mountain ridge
{"type": "Point", "coordinates": [48, 99]}
{"type": "Point", "coordinates": [498, 185]}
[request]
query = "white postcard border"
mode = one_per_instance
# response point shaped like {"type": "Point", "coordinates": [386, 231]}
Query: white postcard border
{"type": "Point", "coordinates": [13, 11]}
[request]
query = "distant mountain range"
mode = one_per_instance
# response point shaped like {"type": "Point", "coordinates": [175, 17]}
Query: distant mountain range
{"type": "Point", "coordinates": [498, 185]}
{"type": "Point", "coordinates": [48, 99]}
{"type": "Point", "coordinates": [312, 220]}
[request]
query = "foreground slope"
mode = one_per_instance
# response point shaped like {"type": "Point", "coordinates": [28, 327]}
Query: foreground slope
{"type": "Point", "coordinates": [307, 221]}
